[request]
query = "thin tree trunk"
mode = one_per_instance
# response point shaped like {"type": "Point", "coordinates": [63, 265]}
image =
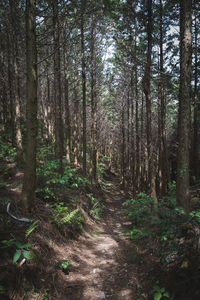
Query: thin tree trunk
{"type": "Point", "coordinates": [123, 147]}
{"type": "Point", "coordinates": [76, 111]}
{"type": "Point", "coordinates": [163, 159]}
{"type": "Point", "coordinates": [83, 4]}
{"type": "Point", "coordinates": [59, 147]}
{"type": "Point", "coordinates": [11, 94]}
{"type": "Point", "coordinates": [29, 184]}
{"type": "Point", "coordinates": [17, 115]}
{"type": "Point", "coordinates": [67, 110]}
{"type": "Point", "coordinates": [137, 122]}
{"type": "Point", "coordinates": [196, 125]}
{"type": "Point", "coordinates": [182, 189]}
{"type": "Point", "coordinates": [93, 103]}
{"type": "Point", "coordinates": [147, 92]}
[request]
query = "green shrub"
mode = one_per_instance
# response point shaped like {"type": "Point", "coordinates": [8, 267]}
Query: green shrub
{"type": "Point", "coordinates": [96, 209]}
{"type": "Point", "coordinates": [62, 214]}
{"type": "Point", "coordinates": [51, 185]}
{"type": "Point", "coordinates": [139, 209]}
{"type": "Point", "coordinates": [21, 250]}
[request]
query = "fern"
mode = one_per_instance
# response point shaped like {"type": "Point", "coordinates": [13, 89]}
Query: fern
{"type": "Point", "coordinates": [31, 228]}
{"type": "Point", "coordinates": [69, 218]}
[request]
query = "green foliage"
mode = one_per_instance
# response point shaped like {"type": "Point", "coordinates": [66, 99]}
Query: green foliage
{"type": "Point", "coordinates": [102, 165]}
{"type": "Point", "coordinates": [64, 264]}
{"type": "Point", "coordinates": [7, 152]}
{"type": "Point", "coordinates": [195, 215]}
{"type": "Point", "coordinates": [62, 214]}
{"type": "Point", "coordinates": [2, 290]}
{"type": "Point", "coordinates": [172, 188]}
{"type": "Point", "coordinates": [21, 249]}
{"type": "Point", "coordinates": [160, 293]}
{"type": "Point", "coordinates": [31, 228]}
{"type": "Point", "coordinates": [52, 185]}
{"type": "Point", "coordinates": [8, 155]}
{"type": "Point", "coordinates": [44, 295]}
{"type": "Point", "coordinates": [166, 223]}
{"type": "Point", "coordinates": [136, 233]}
{"type": "Point", "coordinates": [139, 209]}
{"type": "Point", "coordinates": [96, 207]}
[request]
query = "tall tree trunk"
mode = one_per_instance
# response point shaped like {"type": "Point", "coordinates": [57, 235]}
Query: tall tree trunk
{"type": "Point", "coordinates": [28, 194]}
{"type": "Point", "coordinates": [138, 173]}
{"type": "Point", "coordinates": [57, 89]}
{"type": "Point", "coordinates": [147, 92]}
{"type": "Point", "coordinates": [83, 4]}
{"type": "Point", "coordinates": [17, 115]}
{"type": "Point", "coordinates": [163, 159]}
{"type": "Point", "coordinates": [182, 189]}
{"type": "Point", "coordinates": [93, 102]}
{"type": "Point", "coordinates": [123, 147]}
{"type": "Point", "coordinates": [76, 112]}
{"type": "Point", "coordinates": [67, 110]}
{"type": "Point", "coordinates": [133, 149]}
{"type": "Point", "coordinates": [10, 86]}
{"type": "Point", "coordinates": [196, 124]}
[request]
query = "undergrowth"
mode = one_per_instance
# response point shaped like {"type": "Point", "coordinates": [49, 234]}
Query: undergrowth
{"type": "Point", "coordinates": [51, 185]}
{"type": "Point", "coordinates": [165, 230]}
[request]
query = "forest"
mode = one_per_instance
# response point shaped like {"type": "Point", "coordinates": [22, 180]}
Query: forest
{"type": "Point", "coordinates": [99, 149]}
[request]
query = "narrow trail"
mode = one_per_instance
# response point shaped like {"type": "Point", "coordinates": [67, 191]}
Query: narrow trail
{"type": "Point", "coordinates": [103, 264]}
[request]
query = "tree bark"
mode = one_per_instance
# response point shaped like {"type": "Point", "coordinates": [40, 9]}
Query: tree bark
{"type": "Point", "coordinates": [93, 102]}
{"type": "Point", "coordinates": [83, 3]}
{"type": "Point", "coordinates": [163, 168]}
{"type": "Point", "coordinates": [59, 148]}
{"type": "Point", "coordinates": [182, 189]}
{"type": "Point", "coordinates": [29, 184]}
{"type": "Point", "coordinates": [15, 61]}
{"type": "Point", "coordinates": [196, 124]}
{"type": "Point", "coordinates": [67, 110]}
{"type": "Point", "coordinates": [147, 92]}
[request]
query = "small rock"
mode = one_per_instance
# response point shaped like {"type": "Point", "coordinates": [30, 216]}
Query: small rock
{"type": "Point", "coordinates": [101, 295]}
{"type": "Point", "coordinates": [95, 282]}
{"type": "Point", "coordinates": [103, 262]}
{"type": "Point", "coordinates": [139, 286]}
{"type": "Point", "coordinates": [97, 271]}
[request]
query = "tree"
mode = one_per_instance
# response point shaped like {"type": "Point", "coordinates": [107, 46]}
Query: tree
{"type": "Point", "coordinates": [147, 92]}
{"type": "Point", "coordinates": [57, 88]}
{"type": "Point", "coordinates": [29, 183]}
{"type": "Point", "coordinates": [93, 100]}
{"type": "Point", "coordinates": [83, 3]}
{"type": "Point", "coordinates": [182, 192]}
{"type": "Point", "coordinates": [163, 159]}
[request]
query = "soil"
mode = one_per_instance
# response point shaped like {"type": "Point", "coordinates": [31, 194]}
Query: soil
{"type": "Point", "coordinates": [104, 263]}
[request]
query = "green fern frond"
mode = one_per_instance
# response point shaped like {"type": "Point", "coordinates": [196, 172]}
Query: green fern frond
{"type": "Point", "coordinates": [31, 228]}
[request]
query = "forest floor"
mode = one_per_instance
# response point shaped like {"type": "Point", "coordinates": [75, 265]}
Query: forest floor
{"type": "Point", "coordinates": [104, 263]}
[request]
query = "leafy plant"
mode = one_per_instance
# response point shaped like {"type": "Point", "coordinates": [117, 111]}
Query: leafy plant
{"type": "Point", "coordinates": [160, 293]}
{"type": "Point", "coordinates": [96, 207]}
{"type": "Point", "coordinates": [139, 209]}
{"type": "Point", "coordinates": [172, 188]}
{"type": "Point", "coordinates": [136, 233]}
{"type": "Point", "coordinates": [44, 295]}
{"type": "Point", "coordinates": [62, 214]}
{"type": "Point", "coordinates": [31, 228]}
{"type": "Point", "coordinates": [64, 265]}
{"type": "Point", "coordinates": [52, 185]}
{"type": "Point", "coordinates": [22, 250]}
